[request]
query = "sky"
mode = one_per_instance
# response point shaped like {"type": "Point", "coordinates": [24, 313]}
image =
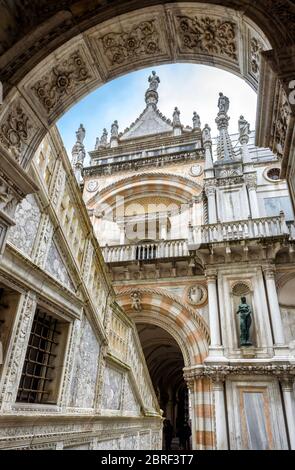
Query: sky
{"type": "Point", "coordinates": [190, 87]}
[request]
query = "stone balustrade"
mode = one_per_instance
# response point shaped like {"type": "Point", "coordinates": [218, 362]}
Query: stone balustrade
{"type": "Point", "coordinates": [210, 233]}
{"type": "Point", "coordinates": [145, 251]}
{"type": "Point", "coordinates": [242, 229]}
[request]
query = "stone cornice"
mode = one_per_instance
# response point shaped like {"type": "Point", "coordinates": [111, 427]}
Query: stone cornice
{"type": "Point", "coordinates": [221, 372]}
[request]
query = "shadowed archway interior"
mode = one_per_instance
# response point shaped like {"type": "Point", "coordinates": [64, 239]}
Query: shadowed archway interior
{"type": "Point", "coordinates": [165, 363]}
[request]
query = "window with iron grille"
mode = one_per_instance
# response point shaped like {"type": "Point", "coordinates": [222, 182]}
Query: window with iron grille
{"type": "Point", "coordinates": [43, 361]}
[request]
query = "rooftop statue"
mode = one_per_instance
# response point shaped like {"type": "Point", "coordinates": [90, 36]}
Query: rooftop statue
{"type": "Point", "coordinates": [196, 121]}
{"type": "Point", "coordinates": [153, 81]}
{"type": "Point", "coordinates": [176, 118]}
{"type": "Point", "coordinates": [245, 312]}
{"type": "Point", "coordinates": [115, 130]}
{"type": "Point", "coordinates": [80, 134]}
{"type": "Point", "coordinates": [244, 127]}
{"type": "Point", "coordinates": [104, 138]}
{"type": "Point", "coordinates": [223, 103]}
{"type": "Point", "coordinates": [206, 134]}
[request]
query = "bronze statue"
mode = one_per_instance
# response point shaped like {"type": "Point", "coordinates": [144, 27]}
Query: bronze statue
{"type": "Point", "coordinates": [245, 312]}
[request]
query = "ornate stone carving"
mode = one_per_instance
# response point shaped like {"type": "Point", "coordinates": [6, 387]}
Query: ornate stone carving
{"type": "Point", "coordinates": [197, 295]}
{"type": "Point", "coordinates": [176, 118]}
{"type": "Point", "coordinates": [27, 218]}
{"type": "Point", "coordinates": [8, 199]}
{"type": "Point", "coordinates": [112, 389]}
{"type": "Point", "coordinates": [141, 40]}
{"type": "Point", "coordinates": [42, 249]}
{"type": "Point", "coordinates": [210, 188]}
{"type": "Point", "coordinates": [255, 48]}
{"type": "Point", "coordinates": [16, 130]}
{"type": "Point", "coordinates": [84, 377]}
{"type": "Point", "coordinates": [208, 35]}
{"type": "Point", "coordinates": [281, 121]}
{"type": "Point", "coordinates": [251, 181]}
{"type": "Point", "coordinates": [56, 266]}
{"type": "Point", "coordinates": [196, 121]}
{"type": "Point", "coordinates": [214, 372]}
{"type": "Point", "coordinates": [61, 80]}
{"type": "Point", "coordinates": [244, 130]}
{"type": "Point", "coordinates": [136, 301]}
{"type": "Point", "coordinates": [17, 355]}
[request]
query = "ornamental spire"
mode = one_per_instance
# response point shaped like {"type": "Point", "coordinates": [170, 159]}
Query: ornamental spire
{"type": "Point", "coordinates": [151, 95]}
{"type": "Point", "coordinates": [225, 149]}
{"type": "Point", "coordinates": [78, 153]}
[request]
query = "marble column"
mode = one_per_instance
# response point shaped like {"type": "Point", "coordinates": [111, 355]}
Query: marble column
{"type": "Point", "coordinates": [288, 397]}
{"type": "Point", "coordinates": [274, 308]}
{"type": "Point", "coordinates": [213, 310]}
{"type": "Point", "coordinates": [212, 213]}
{"type": "Point", "coordinates": [253, 201]}
{"type": "Point", "coordinates": [220, 414]}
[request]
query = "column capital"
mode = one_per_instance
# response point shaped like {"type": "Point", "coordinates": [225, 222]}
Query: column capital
{"type": "Point", "coordinates": [211, 275]}
{"type": "Point", "coordinates": [210, 188]}
{"type": "Point", "coordinates": [251, 180]}
{"type": "Point", "coordinates": [287, 383]}
{"type": "Point", "coordinates": [269, 272]}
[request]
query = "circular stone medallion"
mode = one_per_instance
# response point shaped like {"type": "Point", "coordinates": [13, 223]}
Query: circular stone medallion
{"type": "Point", "coordinates": [92, 186]}
{"type": "Point", "coordinates": [196, 170]}
{"type": "Point", "coordinates": [197, 294]}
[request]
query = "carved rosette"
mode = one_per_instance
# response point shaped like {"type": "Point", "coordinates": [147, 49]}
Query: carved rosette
{"type": "Point", "coordinates": [61, 80]}
{"type": "Point", "coordinates": [139, 41]}
{"type": "Point", "coordinates": [16, 130]}
{"type": "Point", "coordinates": [208, 35]}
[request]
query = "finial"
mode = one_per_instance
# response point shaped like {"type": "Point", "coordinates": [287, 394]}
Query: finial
{"type": "Point", "coordinates": [114, 134]}
{"type": "Point", "coordinates": [196, 121]}
{"type": "Point", "coordinates": [206, 134]}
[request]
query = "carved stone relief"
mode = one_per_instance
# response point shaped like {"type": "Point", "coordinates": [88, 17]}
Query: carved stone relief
{"type": "Point", "coordinates": [18, 351]}
{"type": "Point", "coordinates": [56, 266]}
{"type": "Point", "coordinates": [112, 389]}
{"type": "Point", "coordinates": [130, 401]}
{"type": "Point", "coordinates": [61, 80]}
{"type": "Point", "coordinates": [134, 43]}
{"type": "Point", "coordinates": [207, 35]}
{"type": "Point", "coordinates": [27, 218]}
{"type": "Point", "coordinates": [84, 376]}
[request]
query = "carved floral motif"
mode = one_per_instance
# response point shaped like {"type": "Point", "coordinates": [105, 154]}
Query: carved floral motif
{"type": "Point", "coordinates": [256, 47]}
{"type": "Point", "coordinates": [141, 40]}
{"type": "Point", "coordinates": [15, 131]}
{"type": "Point", "coordinates": [208, 35]}
{"type": "Point", "coordinates": [61, 80]}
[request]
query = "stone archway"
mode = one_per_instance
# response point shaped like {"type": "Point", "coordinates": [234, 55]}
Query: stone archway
{"type": "Point", "coordinates": [49, 76]}
{"type": "Point", "coordinates": [161, 309]}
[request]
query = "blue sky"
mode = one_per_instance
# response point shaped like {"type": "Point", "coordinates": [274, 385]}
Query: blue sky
{"type": "Point", "coordinates": [190, 87]}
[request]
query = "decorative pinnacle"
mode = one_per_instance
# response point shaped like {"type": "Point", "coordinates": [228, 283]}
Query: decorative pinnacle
{"type": "Point", "coordinates": [151, 95]}
{"type": "Point", "coordinates": [225, 149]}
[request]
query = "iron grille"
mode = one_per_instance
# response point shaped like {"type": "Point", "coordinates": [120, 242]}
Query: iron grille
{"type": "Point", "coordinates": [40, 360]}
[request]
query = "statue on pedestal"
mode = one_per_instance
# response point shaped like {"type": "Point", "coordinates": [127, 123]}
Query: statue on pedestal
{"type": "Point", "coordinates": [223, 103]}
{"type": "Point", "coordinates": [245, 312]}
{"type": "Point", "coordinates": [153, 81]}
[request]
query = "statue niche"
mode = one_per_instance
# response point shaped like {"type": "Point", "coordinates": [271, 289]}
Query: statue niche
{"type": "Point", "coordinates": [245, 312]}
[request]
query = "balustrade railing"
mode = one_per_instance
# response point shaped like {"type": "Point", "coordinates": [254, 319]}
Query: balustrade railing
{"type": "Point", "coordinates": [209, 233]}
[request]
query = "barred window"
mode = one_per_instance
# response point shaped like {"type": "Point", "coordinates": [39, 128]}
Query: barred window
{"type": "Point", "coordinates": [43, 362]}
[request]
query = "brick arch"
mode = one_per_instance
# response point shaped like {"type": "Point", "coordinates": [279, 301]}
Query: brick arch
{"type": "Point", "coordinates": [184, 324]}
